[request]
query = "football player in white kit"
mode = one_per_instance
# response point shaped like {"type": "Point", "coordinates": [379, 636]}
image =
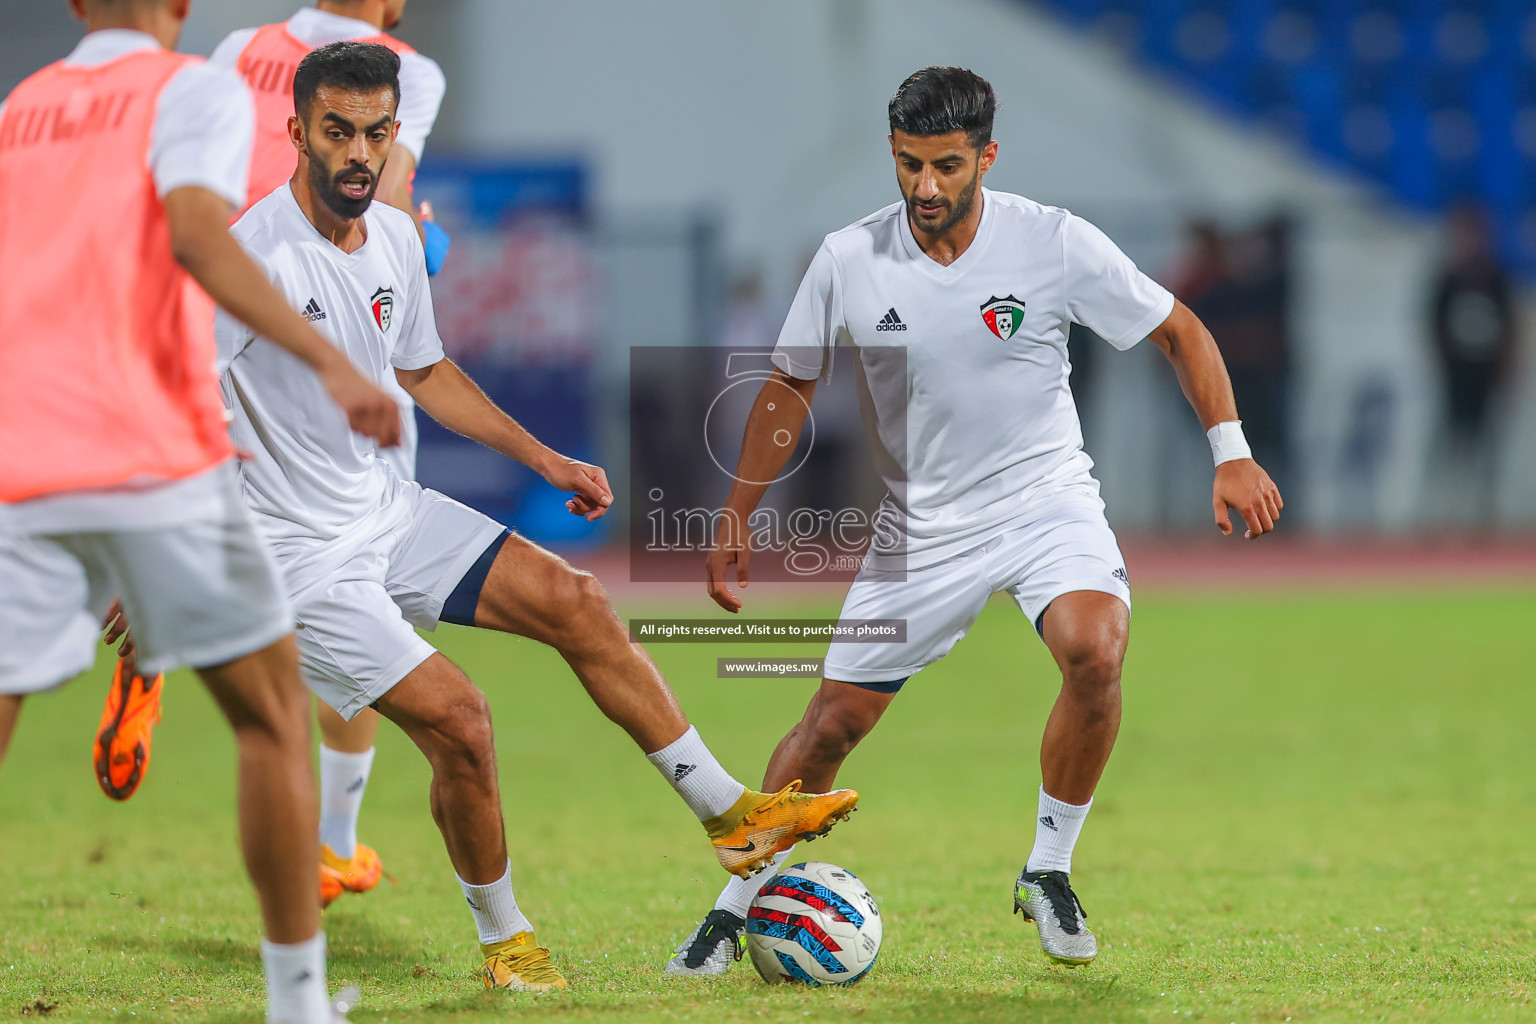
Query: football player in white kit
{"type": "Point", "coordinates": [367, 556]}
{"type": "Point", "coordinates": [266, 57]}
{"type": "Point", "coordinates": [990, 489]}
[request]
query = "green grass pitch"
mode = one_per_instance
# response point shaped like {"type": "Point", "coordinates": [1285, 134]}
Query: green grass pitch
{"type": "Point", "coordinates": [1320, 809]}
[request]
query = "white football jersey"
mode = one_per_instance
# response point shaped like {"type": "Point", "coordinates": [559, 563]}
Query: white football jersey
{"type": "Point", "coordinates": [308, 477]}
{"type": "Point", "coordinates": [966, 365]}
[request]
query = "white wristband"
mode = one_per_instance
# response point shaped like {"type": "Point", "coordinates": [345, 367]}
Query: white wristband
{"type": "Point", "coordinates": [1228, 443]}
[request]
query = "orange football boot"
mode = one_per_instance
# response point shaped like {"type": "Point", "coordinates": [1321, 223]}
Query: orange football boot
{"type": "Point", "coordinates": [330, 886]}
{"type": "Point", "coordinates": [121, 751]}
{"type": "Point", "coordinates": [359, 873]}
{"type": "Point", "coordinates": [761, 824]}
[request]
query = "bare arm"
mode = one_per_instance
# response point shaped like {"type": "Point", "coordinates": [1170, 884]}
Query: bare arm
{"type": "Point", "coordinates": [202, 244]}
{"type": "Point", "coordinates": [773, 430]}
{"type": "Point", "coordinates": [395, 184]}
{"type": "Point", "coordinates": [1241, 484]}
{"type": "Point", "coordinates": [455, 401]}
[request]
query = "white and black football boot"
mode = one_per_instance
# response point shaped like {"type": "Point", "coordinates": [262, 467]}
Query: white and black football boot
{"type": "Point", "coordinates": [1046, 898]}
{"type": "Point", "coordinates": [718, 941]}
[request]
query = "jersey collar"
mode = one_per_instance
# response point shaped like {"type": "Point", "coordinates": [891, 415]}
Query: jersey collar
{"type": "Point", "coordinates": [968, 259]}
{"type": "Point", "coordinates": [301, 223]}
{"type": "Point", "coordinates": [316, 28]}
{"type": "Point", "coordinates": [108, 44]}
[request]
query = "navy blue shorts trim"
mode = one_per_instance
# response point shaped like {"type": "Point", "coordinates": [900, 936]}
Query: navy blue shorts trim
{"type": "Point", "coordinates": [891, 687]}
{"type": "Point", "coordinates": [460, 607]}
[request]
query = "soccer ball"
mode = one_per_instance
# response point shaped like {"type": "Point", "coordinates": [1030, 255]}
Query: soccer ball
{"type": "Point", "coordinates": [814, 923]}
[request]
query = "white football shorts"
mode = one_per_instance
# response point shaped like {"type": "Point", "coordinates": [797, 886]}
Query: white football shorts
{"type": "Point", "coordinates": [199, 593]}
{"type": "Point", "coordinates": [1068, 547]}
{"type": "Point", "coordinates": [357, 624]}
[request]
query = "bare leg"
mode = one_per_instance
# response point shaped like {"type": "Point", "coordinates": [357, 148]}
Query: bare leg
{"type": "Point", "coordinates": [10, 707]}
{"type": "Point", "coordinates": [268, 706]}
{"type": "Point", "coordinates": [837, 718]}
{"type": "Point", "coordinates": [535, 593]}
{"type": "Point", "coordinates": [448, 718]}
{"type": "Point", "coordinates": [1087, 633]}
{"type": "Point", "coordinates": [354, 737]}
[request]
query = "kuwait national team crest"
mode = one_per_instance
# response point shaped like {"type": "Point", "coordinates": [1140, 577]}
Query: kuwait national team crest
{"type": "Point", "coordinates": [1003, 316]}
{"type": "Point", "coordinates": [383, 307]}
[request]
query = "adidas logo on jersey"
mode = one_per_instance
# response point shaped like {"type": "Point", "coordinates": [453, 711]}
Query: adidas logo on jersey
{"type": "Point", "coordinates": [313, 312]}
{"type": "Point", "coordinates": [891, 322]}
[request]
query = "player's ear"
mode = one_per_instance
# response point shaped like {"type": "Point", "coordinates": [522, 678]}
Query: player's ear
{"type": "Point", "coordinates": [988, 156]}
{"type": "Point", "coordinates": [296, 132]}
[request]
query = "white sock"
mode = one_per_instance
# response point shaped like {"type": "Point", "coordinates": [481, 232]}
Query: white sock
{"type": "Point", "coordinates": [738, 892]}
{"type": "Point", "coordinates": [296, 992]}
{"type": "Point", "coordinates": [1056, 832]}
{"type": "Point", "coordinates": [343, 778]}
{"type": "Point", "coordinates": [698, 778]}
{"type": "Point", "coordinates": [495, 908]}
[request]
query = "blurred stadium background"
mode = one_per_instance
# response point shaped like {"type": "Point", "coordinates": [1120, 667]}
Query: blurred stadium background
{"type": "Point", "coordinates": [1344, 189]}
{"type": "Point", "coordinates": [1320, 803]}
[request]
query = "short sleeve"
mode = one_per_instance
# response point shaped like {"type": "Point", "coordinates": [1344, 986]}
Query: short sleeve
{"type": "Point", "coordinates": [418, 344]}
{"type": "Point", "coordinates": [1105, 291]}
{"type": "Point", "coordinates": [810, 329]}
{"type": "Point", "coordinates": [227, 54]}
{"type": "Point", "coordinates": [204, 122]}
{"type": "Point", "coordinates": [422, 85]}
{"type": "Point", "coordinates": [231, 338]}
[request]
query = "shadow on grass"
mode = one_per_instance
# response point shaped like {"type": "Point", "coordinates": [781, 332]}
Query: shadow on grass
{"type": "Point", "coordinates": [355, 945]}
{"type": "Point", "coordinates": [1047, 998]}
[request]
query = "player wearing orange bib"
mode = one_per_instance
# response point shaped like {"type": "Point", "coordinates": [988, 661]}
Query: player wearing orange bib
{"type": "Point", "coordinates": [116, 476]}
{"type": "Point", "coordinates": [267, 58]}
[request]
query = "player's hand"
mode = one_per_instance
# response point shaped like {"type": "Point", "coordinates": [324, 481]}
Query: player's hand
{"type": "Point", "coordinates": [369, 410]}
{"type": "Point", "coordinates": [1242, 484]}
{"type": "Point", "coordinates": [592, 496]}
{"type": "Point", "coordinates": [732, 547]}
{"type": "Point", "coordinates": [115, 627]}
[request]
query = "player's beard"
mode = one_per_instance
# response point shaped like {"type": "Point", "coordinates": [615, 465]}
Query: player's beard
{"type": "Point", "coordinates": [958, 211]}
{"type": "Point", "coordinates": [328, 187]}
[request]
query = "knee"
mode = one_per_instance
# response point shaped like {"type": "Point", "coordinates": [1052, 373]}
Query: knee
{"type": "Point", "coordinates": [581, 612]}
{"type": "Point", "coordinates": [1090, 666]}
{"type": "Point", "coordinates": [277, 715]}
{"type": "Point", "coordinates": [466, 743]}
{"type": "Point", "coordinates": [834, 730]}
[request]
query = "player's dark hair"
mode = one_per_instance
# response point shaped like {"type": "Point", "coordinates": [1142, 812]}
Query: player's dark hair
{"type": "Point", "coordinates": [937, 101]}
{"type": "Point", "coordinates": [355, 67]}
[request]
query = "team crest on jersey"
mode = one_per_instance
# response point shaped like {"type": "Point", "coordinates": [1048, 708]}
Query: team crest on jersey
{"type": "Point", "coordinates": [383, 307]}
{"type": "Point", "coordinates": [1003, 316]}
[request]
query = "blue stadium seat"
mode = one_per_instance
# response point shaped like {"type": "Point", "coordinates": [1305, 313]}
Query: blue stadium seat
{"type": "Point", "coordinates": [1433, 100]}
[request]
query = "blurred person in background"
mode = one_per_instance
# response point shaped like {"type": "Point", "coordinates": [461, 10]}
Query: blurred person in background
{"type": "Point", "coordinates": [119, 169]}
{"type": "Point", "coordinates": [1239, 285]}
{"type": "Point", "coordinates": [1474, 330]}
{"type": "Point", "coordinates": [267, 57]}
